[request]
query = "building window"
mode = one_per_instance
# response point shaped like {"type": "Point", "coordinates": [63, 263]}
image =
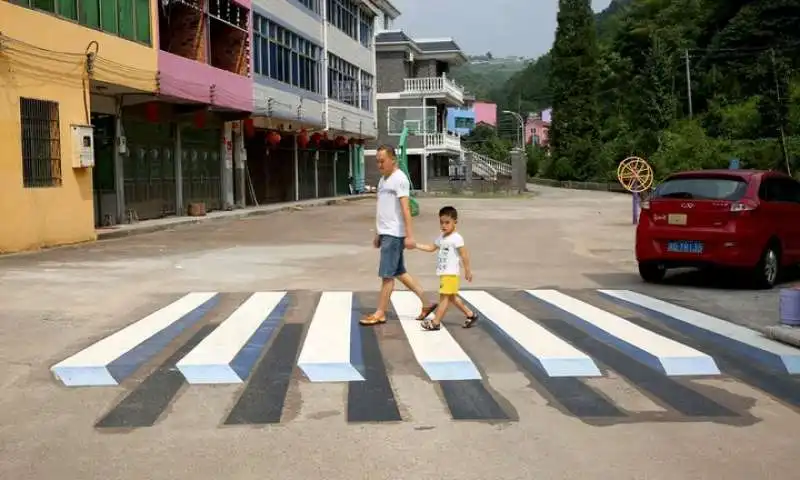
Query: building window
{"type": "Point", "coordinates": [312, 5]}
{"type": "Point", "coordinates": [366, 91]}
{"type": "Point", "coordinates": [366, 27]}
{"type": "Point", "coordinates": [342, 80]}
{"type": "Point", "coordinates": [285, 56]}
{"type": "Point", "coordinates": [129, 19]}
{"type": "Point", "coordinates": [343, 14]}
{"type": "Point", "coordinates": [41, 143]}
{"type": "Point", "coordinates": [465, 122]}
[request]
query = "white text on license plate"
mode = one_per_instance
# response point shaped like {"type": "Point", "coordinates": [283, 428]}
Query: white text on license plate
{"type": "Point", "coordinates": [676, 219]}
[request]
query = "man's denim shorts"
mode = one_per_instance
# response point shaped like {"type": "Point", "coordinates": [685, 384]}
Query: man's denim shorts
{"type": "Point", "coordinates": [392, 263]}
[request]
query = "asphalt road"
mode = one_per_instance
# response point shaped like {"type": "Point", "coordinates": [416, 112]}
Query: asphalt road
{"type": "Point", "coordinates": [517, 420]}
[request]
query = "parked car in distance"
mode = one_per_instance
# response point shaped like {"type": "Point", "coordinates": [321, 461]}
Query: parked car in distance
{"type": "Point", "coordinates": [743, 219]}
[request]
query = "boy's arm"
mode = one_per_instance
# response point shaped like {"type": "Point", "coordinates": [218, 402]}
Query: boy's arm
{"type": "Point", "coordinates": [425, 247]}
{"type": "Point", "coordinates": [464, 253]}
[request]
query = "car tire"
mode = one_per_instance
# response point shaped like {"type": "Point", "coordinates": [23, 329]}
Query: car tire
{"type": "Point", "coordinates": [768, 269]}
{"type": "Point", "coordinates": [652, 272]}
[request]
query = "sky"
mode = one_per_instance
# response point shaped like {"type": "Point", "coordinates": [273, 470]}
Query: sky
{"type": "Point", "coordinates": [522, 28]}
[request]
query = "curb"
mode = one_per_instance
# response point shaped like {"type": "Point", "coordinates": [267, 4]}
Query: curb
{"type": "Point", "coordinates": [784, 333]}
{"type": "Point", "coordinates": [243, 213]}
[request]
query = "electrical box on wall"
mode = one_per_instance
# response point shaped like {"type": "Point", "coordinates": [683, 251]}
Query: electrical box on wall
{"type": "Point", "coordinates": [82, 146]}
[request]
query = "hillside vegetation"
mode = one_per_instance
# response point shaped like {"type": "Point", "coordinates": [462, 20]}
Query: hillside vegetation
{"type": "Point", "coordinates": [618, 86]}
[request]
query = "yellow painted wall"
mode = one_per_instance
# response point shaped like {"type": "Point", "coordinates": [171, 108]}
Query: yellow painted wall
{"type": "Point", "coordinates": [32, 218]}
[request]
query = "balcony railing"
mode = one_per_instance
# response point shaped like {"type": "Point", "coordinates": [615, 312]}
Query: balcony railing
{"type": "Point", "coordinates": [442, 141]}
{"type": "Point", "coordinates": [434, 86]}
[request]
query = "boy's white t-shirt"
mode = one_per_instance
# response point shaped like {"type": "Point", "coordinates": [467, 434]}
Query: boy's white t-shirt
{"type": "Point", "coordinates": [448, 259]}
{"type": "Point", "coordinates": [389, 218]}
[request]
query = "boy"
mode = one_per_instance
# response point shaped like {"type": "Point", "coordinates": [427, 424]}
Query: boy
{"type": "Point", "coordinates": [451, 249]}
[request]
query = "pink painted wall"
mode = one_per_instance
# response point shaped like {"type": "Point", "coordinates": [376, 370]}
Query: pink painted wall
{"type": "Point", "coordinates": [486, 113]}
{"type": "Point", "coordinates": [184, 78]}
{"type": "Point", "coordinates": [537, 127]}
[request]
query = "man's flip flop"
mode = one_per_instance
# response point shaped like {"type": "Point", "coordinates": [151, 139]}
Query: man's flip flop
{"type": "Point", "coordinates": [371, 319]}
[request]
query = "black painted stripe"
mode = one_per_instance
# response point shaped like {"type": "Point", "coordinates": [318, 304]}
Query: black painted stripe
{"type": "Point", "coordinates": [781, 386]}
{"type": "Point", "coordinates": [470, 400]}
{"type": "Point", "coordinates": [576, 397]}
{"type": "Point", "coordinates": [371, 400]}
{"type": "Point", "coordinates": [263, 398]}
{"type": "Point", "coordinates": [145, 404]}
{"type": "Point", "coordinates": [662, 388]}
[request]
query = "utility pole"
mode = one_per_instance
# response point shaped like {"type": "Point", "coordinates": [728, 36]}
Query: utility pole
{"type": "Point", "coordinates": [784, 147]}
{"type": "Point", "coordinates": [689, 82]}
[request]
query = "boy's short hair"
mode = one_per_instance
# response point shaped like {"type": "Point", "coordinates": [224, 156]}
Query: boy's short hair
{"type": "Point", "coordinates": [449, 211]}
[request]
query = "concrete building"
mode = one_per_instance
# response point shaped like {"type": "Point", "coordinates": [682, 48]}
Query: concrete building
{"type": "Point", "coordinates": [177, 107]}
{"type": "Point", "coordinates": [58, 67]}
{"type": "Point", "coordinates": [537, 128]}
{"type": "Point", "coordinates": [413, 91]}
{"type": "Point", "coordinates": [463, 120]}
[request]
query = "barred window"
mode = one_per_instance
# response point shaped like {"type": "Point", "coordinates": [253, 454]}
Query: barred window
{"type": "Point", "coordinates": [365, 32]}
{"type": "Point", "coordinates": [310, 4]}
{"type": "Point", "coordinates": [366, 91]}
{"type": "Point", "coordinates": [41, 143]}
{"type": "Point", "coordinates": [343, 14]}
{"type": "Point", "coordinates": [342, 80]}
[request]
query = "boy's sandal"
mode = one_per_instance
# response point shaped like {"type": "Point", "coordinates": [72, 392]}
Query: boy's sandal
{"type": "Point", "coordinates": [470, 321]}
{"type": "Point", "coordinates": [427, 311]}
{"type": "Point", "coordinates": [430, 325]}
{"type": "Point", "coordinates": [371, 319]}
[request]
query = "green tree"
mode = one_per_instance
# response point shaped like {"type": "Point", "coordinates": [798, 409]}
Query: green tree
{"type": "Point", "coordinates": [574, 79]}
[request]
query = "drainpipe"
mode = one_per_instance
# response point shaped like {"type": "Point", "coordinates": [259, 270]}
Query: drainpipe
{"type": "Point", "coordinates": [324, 61]}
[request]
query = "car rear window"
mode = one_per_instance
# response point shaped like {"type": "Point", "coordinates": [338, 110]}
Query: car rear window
{"type": "Point", "coordinates": [699, 188]}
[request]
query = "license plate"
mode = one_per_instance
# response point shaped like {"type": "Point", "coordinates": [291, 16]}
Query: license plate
{"type": "Point", "coordinates": [685, 246]}
{"type": "Point", "coordinates": [676, 219]}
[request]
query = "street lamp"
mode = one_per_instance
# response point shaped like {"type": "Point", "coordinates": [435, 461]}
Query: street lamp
{"type": "Point", "coordinates": [521, 132]}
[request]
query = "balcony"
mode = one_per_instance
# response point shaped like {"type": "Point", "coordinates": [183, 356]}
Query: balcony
{"type": "Point", "coordinates": [434, 87]}
{"type": "Point", "coordinates": [442, 142]}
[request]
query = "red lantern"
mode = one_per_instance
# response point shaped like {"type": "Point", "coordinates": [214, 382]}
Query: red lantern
{"type": "Point", "coordinates": [151, 111]}
{"type": "Point", "coordinates": [341, 141]}
{"type": "Point", "coordinates": [200, 118]}
{"type": "Point", "coordinates": [273, 138]}
{"type": "Point", "coordinates": [249, 127]}
{"type": "Point", "coordinates": [316, 138]}
{"type": "Point", "coordinates": [302, 139]}
{"type": "Point", "coordinates": [325, 135]}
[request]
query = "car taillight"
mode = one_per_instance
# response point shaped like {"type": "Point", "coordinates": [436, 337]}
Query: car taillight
{"type": "Point", "coordinates": [744, 206]}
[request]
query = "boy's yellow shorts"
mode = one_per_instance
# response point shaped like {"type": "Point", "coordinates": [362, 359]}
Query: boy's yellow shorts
{"type": "Point", "coordinates": [448, 284]}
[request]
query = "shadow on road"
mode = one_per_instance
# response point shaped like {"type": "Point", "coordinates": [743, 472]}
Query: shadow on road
{"type": "Point", "coordinates": [713, 279]}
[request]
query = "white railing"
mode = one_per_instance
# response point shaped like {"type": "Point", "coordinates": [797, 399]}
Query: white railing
{"type": "Point", "coordinates": [442, 141]}
{"type": "Point", "coordinates": [489, 168]}
{"type": "Point", "coordinates": [433, 86]}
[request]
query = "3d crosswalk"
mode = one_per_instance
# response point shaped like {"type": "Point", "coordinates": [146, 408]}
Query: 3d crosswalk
{"type": "Point", "coordinates": [549, 333]}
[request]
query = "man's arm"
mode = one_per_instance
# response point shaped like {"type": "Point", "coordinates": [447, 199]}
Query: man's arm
{"type": "Point", "coordinates": [405, 206]}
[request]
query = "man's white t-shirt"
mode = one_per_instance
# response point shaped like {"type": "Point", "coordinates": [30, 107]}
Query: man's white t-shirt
{"type": "Point", "coordinates": [448, 259]}
{"type": "Point", "coordinates": [389, 219]}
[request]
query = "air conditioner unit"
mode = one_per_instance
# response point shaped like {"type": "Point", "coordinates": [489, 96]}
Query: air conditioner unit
{"type": "Point", "coordinates": [82, 146]}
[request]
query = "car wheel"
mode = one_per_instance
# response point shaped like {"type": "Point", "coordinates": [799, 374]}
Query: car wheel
{"type": "Point", "coordinates": [767, 271]}
{"type": "Point", "coordinates": [652, 272]}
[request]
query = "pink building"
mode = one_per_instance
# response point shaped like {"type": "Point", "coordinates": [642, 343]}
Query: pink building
{"type": "Point", "coordinates": [537, 128]}
{"type": "Point", "coordinates": [486, 113]}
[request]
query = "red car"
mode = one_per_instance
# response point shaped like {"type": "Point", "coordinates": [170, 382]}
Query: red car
{"type": "Point", "coordinates": [745, 219]}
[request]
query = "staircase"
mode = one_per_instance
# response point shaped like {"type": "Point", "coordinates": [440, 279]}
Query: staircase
{"type": "Point", "coordinates": [488, 168]}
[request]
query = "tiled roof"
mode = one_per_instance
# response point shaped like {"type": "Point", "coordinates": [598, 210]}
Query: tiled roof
{"type": "Point", "coordinates": [443, 46]}
{"type": "Point", "coordinates": [392, 37]}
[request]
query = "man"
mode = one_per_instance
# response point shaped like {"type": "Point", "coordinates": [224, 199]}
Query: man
{"type": "Point", "coordinates": [394, 233]}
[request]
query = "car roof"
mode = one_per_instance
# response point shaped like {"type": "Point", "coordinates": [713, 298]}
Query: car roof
{"type": "Point", "coordinates": [743, 174]}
